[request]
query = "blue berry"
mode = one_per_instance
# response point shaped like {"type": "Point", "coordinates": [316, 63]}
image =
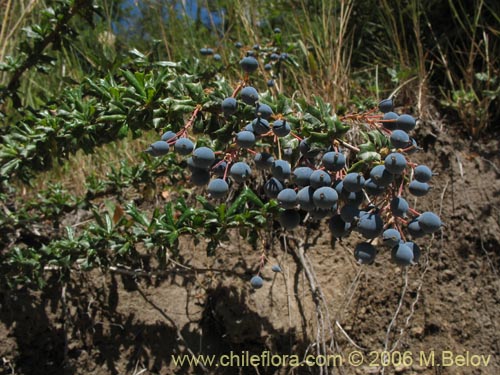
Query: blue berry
{"type": "Point", "coordinates": [218, 188]}
{"type": "Point", "coordinates": [276, 268]}
{"type": "Point", "coordinates": [339, 227]}
{"type": "Point", "coordinates": [429, 222]}
{"type": "Point", "coordinates": [400, 139]}
{"type": "Point", "coordinates": [240, 171]}
{"type": "Point", "coordinates": [229, 106]}
{"type": "Point", "coordinates": [264, 111]}
{"type": "Point", "coordinates": [281, 169]}
{"type": "Point", "coordinates": [320, 178]}
{"type": "Point", "coordinates": [249, 95]}
{"type": "Point", "coordinates": [391, 237]}
{"type": "Point", "coordinates": [249, 64]}
{"type": "Point", "coordinates": [399, 206]}
{"type": "Point", "coordinates": [158, 148]}
{"type": "Point", "coordinates": [365, 253]}
{"type": "Point", "coordinates": [305, 198]}
{"type": "Point", "coordinates": [395, 163]}
{"type": "Point", "coordinates": [245, 139]}
{"type": "Point", "coordinates": [302, 175]}
{"type": "Point", "coordinates": [200, 177]}
{"type": "Point", "coordinates": [203, 157]}
{"type": "Point", "coordinates": [256, 282]}
{"type": "Point", "coordinates": [418, 189]}
{"type": "Point", "coordinates": [381, 176]}
{"type": "Point", "coordinates": [353, 182]}
{"type": "Point", "coordinates": [287, 198]}
{"type": "Point", "coordinates": [333, 161]}
{"type": "Point", "coordinates": [289, 219]}
{"type": "Point", "coordinates": [406, 123]}
{"type": "Point", "coordinates": [349, 212]}
{"type": "Point", "coordinates": [272, 187]}
{"type": "Point", "coordinates": [169, 136]}
{"type": "Point", "coordinates": [370, 225]}
{"type": "Point", "coordinates": [304, 146]}
{"type": "Point", "coordinates": [389, 120]}
{"type": "Point", "coordinates": [206, 51]}
{"type": "Point", "coordinates": [415, 250]}
{"type": "Point", "coordinates": [386, 105]}
{"type": "Point", "coordinates": [263, 160]}
{"type": "Point", "coordinates": [414, 229]}
{"type": "Point", "coordinates": [422, 173]}
{"type": "Point", "coordinates": [281, 128]}
{"type": "Point", "coordinates": [325, 197]}
{"type": "Point", "coordinates": [402, 255]}
{"type": "Point", "coordinates": [372, 188]}
{"type": "Point", "coordinates": [261, 126]}
{"type": "Point", "coordinates": [184, 146]}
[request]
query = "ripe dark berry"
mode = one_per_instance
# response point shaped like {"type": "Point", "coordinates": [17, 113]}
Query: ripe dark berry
{"type": "Point", "coordinates": [422, 173]}
{"type": "Point", "coordinates": [400, 139]}
{"type": "Point", "coordinates": [305, 198]}
{"type": "Point", "coordinates": [158, 148]}
{"type": "Point", "coordinates": [402, 255]}
{"type": "Point", "coordinates": [218, 188]}
{"type": "Point", "coordinates": [395, 163]}
{"type": "Point", "coordinates": [200, 177]}
{"type": "Point", "coordinates": [256, 282]}
{"type": "Point", "coordinates": [240, 171]}
{"type": "Point", "coordinates": [349, 212]}
{"type": "Point", "coordinates": [287, 198]}
{"type": "Point", "coordinates": [289, 219]}
{"type": "Point", "coordinates": [386, 105]}
{"type": "Point", "coordinates": [365, 253]}
{"type": "Point", "coordinates": [353, 182]}
{"type": "Point", "coordinates": [418, 189]}
{"type": "Point", "coordinates": [263, 160]}
{"type": "Point", "coordinates": [229, 106]}
{"type": "Point", "coordinates": [389, 120]}
{"type": "Point", "coordinates": [333, 161]}
{"type": "Point", "coordinates": [264, 111]}
{"type": "Point", "coordinates": [245, 139]}
{"type": "Point", "coordinates": [406, 123]}
{"type": "Point", "coordinates": [302, 175]}
{"type": "Point", "coordinates": [399, 206]}
{"type": "Point", "coordinates": [325, 197]}
{"type": "Point", "coordinates": [169, 136]}
{"type": "Point", "coordinates": [249, 64]}
{"type": "Point", "coordinates": [184, 146]}
{"type": "Point", "coordinates": [391, 237]}
{"type": "Point", "coordinates": [281, 128]}
{"type": "Point", "coordinates": [370, 225]}
{"type": "Point", "coordinates": [319, 178]}
{"type": "Point", "coordinates": [249, 95]}
{"type": "Point", "coordinates": [339, 227]}
{"type": "Point", "coordinates": [281, 169]}
{"type": "Point", "coordinates": [260, 126]}
{"type": "Point", "coordinates": [203, 157]}
{"type": "Point", "coordinates": [381, 176]}
{"type": "Point", "coordinates": [272, 187]}
{"type": "Point", "coordinates": [429, 222]}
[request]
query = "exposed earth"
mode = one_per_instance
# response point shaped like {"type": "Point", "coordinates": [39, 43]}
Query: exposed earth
{"type": "Point", "coordinates": [114, 323]}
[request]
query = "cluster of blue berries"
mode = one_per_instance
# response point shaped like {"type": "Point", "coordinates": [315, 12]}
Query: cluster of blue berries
{"type": "Point", "coordinates": [321, 184]}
